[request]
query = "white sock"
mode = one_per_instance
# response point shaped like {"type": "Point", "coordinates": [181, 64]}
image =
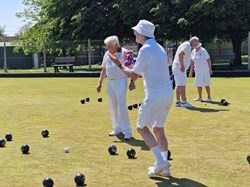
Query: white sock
{"type": "Point", "coordinates": [157, 153]}
{"type": "Point", "coordinates": [165, 155]}
{"type": "Point", "coordinates": [178, 101]}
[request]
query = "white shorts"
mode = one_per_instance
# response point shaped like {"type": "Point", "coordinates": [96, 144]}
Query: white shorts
{"type": "Point", "coordinates": [180, 77]}
{"type": "Point", "coordinates": [202, 79]}
{"type": "Point", "coordinates": [154, 110]}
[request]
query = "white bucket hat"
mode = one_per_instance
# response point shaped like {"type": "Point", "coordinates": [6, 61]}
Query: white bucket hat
{"type": "Point", "coordinates": [146, 28]}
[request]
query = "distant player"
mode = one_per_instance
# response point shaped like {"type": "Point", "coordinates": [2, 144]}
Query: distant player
{"type": "Point", "coordinates": [180, 66]}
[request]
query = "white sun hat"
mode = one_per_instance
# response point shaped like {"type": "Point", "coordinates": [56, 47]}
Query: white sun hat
{"type": "Point", "coordinates": [199, 45]}
{"type": "Point", "coordinates": [146, 28]}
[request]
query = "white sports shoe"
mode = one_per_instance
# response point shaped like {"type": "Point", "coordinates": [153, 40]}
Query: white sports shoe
{"type": "Point", "coordinates": [127, 136]}
{"type": "Point", "coordinates": [158, 168]}
{"type": "Point", "coordinates": [198, 99]}
{"type": "Point", "coordinates": [178, 104]}
{"type": "Point", "coordinates": [186, 105]}
{"type": "Point", "coordinates": [165, 173]}
{"type": "Point", "coordinates": [113, 133]}
{"type": "Point", "coordinates": [209, 100]}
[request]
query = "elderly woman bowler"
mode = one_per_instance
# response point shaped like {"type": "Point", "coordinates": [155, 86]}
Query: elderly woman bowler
{"type": "Point", "coordinates": [116, 88]}
{"type": "Point", "coordinates": [201, 63]}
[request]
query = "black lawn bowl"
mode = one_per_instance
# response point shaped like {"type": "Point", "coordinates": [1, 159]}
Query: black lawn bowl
{"type": "Point", "coordinates": [112, 149]}
{"type": "Point", "coordinates": [130, 107]}
{"type": "Point", "coordinates": [131, 153]}
{"type": "Point", "coordinates": [2, 142]}
{"type": "Point", "coordinates": [222, 100]}
{"type": "Point", "coordinates": [79, 179]}
{"type": "Point", "coordinates": [248, 158]}
{"type": "Point", "coordinates": [169, 155]}
{"type": "Point", "coordinates": [83, 101]}
{"type": "Point", "coordinates": [99, 99]}
{"type": "Point", "coordinates": [225, 103]}
{"type": "Point", "coordinates": [8, 137]}
{"type": "Point", "coordinates": [48, 182]}
{"type": "Point", "coordinates": [87, 99]}
{"type": "Point", "coordinates": [25, 149]}
{"type": "Point", "coordinates": [135, 105]}
{"type": "Point", "coordinates": [139, 104]}
{"type": "Point", "coordinates": [45, 133]}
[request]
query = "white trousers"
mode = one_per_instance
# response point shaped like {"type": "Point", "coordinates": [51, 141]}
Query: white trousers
{"type": "Point", "coordinates": [116, 92]}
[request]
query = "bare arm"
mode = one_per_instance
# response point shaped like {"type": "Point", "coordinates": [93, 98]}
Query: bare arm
{"type": "Point", "coordinates": [102, 77]}
{"type": "Point", "coordinates": [181, 57]}
{"type": "Point", "coordinates": [210, 66]}
{"type": "Point", "coordinates": [126, 70]}
{"type": "Point", "coordinates": [191, 68]}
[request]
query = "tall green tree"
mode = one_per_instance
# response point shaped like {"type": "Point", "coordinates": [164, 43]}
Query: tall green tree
{"type": "Point", "coordinates": [226, 19]}
{"type": "Point", "coordinates": [175, 20]}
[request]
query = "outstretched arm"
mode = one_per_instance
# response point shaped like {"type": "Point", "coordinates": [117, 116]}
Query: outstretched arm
{"type": "Point", "coordinates": [126, 70]}
{"type": "Point", "coordinates": [102, 77]}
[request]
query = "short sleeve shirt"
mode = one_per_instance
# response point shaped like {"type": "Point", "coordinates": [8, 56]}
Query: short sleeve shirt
{"type": "Point", "coordinates": [112, 70]}
{"type": "Point", "coordinates": [152, 65]}
{"type": "Point", "coordinates": [186, 48]}
{"type": "Point", "coordinates": [200, 59]}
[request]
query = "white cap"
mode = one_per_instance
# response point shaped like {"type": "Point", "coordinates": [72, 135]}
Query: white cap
{"type": "Point", "coordinates": [146, 28]}
{"type": "Point", "coordinates": [199, 45]}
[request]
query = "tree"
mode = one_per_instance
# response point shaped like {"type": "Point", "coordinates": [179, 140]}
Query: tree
{"type": "Point", "coordinates": [226, 19]}
{"type": "Point", "coordinates": [2, 30]}
{"type": "Point", "coordinates": [57, 20]}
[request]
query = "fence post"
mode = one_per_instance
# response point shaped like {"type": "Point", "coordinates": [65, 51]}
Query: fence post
{"type": "Point", "coordinates": [5, 56]}
{"type": "Point", "coordinates": [248, 51]}
{"type": "Point", "coordinates": [89, 53]}
{"type": "Point", "coordinates": [35, 61]}
{"type": "Point", "coordinates": [44, 59]}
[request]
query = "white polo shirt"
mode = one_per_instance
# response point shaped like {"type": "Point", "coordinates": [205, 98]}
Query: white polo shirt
{"type": "Point", "coordinates": [200, 59]}
{"type": "Point", "coordinates": [186, 48]}
{"type": "Point", "coordinates": [152, 64]}
{"type": "Point", "coordinates": [112, 70]}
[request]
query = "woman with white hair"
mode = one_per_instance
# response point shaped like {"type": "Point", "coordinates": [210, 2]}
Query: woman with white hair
{"type": "Point", "coordinates": [116, 87]}
{"type": "Point", "coordinates": [201, 64]}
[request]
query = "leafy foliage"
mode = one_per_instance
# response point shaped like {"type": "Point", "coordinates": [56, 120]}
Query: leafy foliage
{"type": "Point", "coordinates": [175, 20]}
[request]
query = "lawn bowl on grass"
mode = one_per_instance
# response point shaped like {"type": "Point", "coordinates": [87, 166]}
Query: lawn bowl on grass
{"type": "Point", "coordinates": [45, 133]}
{"type": "Point", "coordinates": [25, 149]}
{"type": "Point", "coordinates": [131, 153]}
{"type": "Point", "coordinates": [2, 142]}
{"type": "Point", "coordinates": [8, 137]}
{"type": "Point", "coordinates": [79, 179]}
{"type": "Point", "coordinates": [112, 149]}
{"type": "Point", "coordinates": [48, 182]}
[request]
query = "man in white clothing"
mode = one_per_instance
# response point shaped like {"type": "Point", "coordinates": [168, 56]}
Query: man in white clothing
{"type": "Point", "coordinates": [152, 65]}
{"type": "Point", "coordinates": [180, 66]}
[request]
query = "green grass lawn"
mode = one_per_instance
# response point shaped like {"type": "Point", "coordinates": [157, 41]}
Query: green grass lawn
{"type": "Point", "coordinates": [209, 144]}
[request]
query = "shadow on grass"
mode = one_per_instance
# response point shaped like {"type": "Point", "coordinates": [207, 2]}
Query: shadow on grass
{"type": "Point", "coordinates": [207, 109]}
{"type": "Point", "coordinates": [132, 142]}
{"type": "Point", "coordinates": [173, 182]}
{"type": "Point", "coordinates": [215, 103]}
